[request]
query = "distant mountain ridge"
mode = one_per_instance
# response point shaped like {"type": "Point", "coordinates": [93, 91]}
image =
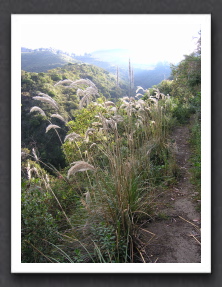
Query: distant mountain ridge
{"type": "Point", "coordinates": [44, 59]}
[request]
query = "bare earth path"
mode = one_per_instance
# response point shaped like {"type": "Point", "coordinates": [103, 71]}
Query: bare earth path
{"type": "Point", "coordinates": [176, 238]}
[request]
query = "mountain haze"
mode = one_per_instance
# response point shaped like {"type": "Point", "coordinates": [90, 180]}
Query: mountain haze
{"type": "Point", "coordinates": [145, 75]}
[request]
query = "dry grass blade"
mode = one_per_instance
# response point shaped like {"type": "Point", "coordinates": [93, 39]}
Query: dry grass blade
{"type": "Point", "coordinates": [189, 222]}
{"type": "Point", "coordinates": [141, 255]}
{"type": "Point", "coordinates": [156, 260]}
{"type": "Point", "coordinates": [192, 235]}
{"type": "Point", "coordinates": [49, 127]}
{"type": "Point", "coordinates": [148, 231]}
{"type": "Point", "coordinates": [79, 166]}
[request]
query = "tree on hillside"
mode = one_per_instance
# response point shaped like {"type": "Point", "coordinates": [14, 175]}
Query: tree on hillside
{"type": "Point", "coordinates": [187, 75]}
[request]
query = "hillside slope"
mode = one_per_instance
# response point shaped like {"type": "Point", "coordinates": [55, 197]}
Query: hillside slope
{"type": "Point", "coordinates": [42, 61]}
{"type": "Point", "coordinates": [34, 126]}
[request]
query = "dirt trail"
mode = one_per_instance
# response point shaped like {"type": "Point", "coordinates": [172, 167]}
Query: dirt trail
{"type": "Point", "coordinates": [176, 238]}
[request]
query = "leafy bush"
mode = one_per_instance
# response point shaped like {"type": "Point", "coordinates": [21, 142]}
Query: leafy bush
{"type": "Point", "coordinates": [37, 223]}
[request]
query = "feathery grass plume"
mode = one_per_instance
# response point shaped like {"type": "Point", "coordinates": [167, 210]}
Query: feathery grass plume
{"type": "Point", "coordinates": [124, 105]}
{"type": "Point", "coordinates": [87, 133]}
{"type": "Point", "coordinates": [92, 90]}
{"type": "Point", "coordinates": [80, 93]}
{"type": "Point", "coordinates": [72, 136]}
{"type": "Point", "coordinates": [138, 95]}
{"type": "Point", "coordinates": [117, 118]}
{"type": "Point", "coordinates": [125, 99]}
{"type": "Point", "coordinates": [35, 155]}
{"type": "Point", "coordinates": [47, 178]}
{"type": "Point", "coordinates": [132, 99]}
{"type": "Point", "coordinates": [162, 96]}
{"type": "Point", "coordinates": [157, 93]}
{"type": "Point", "coordinates": [37, 109]}
{"type": "Point", "coordinates": [88, 94]}
{"type": "Point", "coordinates": [139, 88]}
{"type": "Point", "coordinates": [34, 169]}
{"type": "Point", "coordinates": [154, 100]}
{"type": "Point", "coordinates": [58, 117]}
{"type": "Point", "coordinates": [47, 96]}
{"type": "Point", "coordinates": [113, 109]}
{"type": "Point", "coordinates": [64, 82]}
{"type": "Point", "coordinates": [51, 126]}
{"type": "Point", "coordinates": [46, 100]}
{"type": "Point", "coordinates": [139, 123]}
{"type": "Point", "coordinates": [109, 103]}
{"type": "Point", "coordinates": [76, 83]}
{"type": "Point", "coordinates": [91, 83]}
{"type": "Point", "coordinates": [79, 166]}
{"type": "Point", "coordinates": [84, 100]}
{"type": "Point", "coordinates": [83, 82]}
{"type": "Point", "coordinates": [28, 168]}
{"type": "Point", "coordinates": [140, 103]}
{"type": "Point", "coordinates": [111, 123]}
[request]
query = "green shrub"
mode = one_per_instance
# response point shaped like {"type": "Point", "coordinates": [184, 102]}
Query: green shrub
{"type": "Point", "coordinates": [37, 223]}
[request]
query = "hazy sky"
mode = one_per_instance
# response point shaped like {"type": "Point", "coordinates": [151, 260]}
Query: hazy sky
{"type": "Point", "coordinates": [149, 38]}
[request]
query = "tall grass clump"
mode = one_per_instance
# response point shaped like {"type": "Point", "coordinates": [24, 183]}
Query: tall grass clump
{"type": "Point", "coordinates": [120, 145]}
{"type": "Point", "coordinates": [115, 152]}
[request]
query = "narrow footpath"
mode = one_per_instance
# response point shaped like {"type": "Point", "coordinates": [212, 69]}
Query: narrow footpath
{"type": "Point", "coordinates": [176, 238]}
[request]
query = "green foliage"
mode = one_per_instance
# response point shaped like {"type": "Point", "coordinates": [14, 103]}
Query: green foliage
{"type": "Point", "coordinates": [187, 77]}
{"type": "Point", "coordinates": [37, 222]}
{"type": "Point", "coordinates": [182, 112]}
{"type": "Point", "coordinates": [105, 241]}
{"type": "Point", "coordinates": [195, 142]}
{"type": "Point", "coordinates": [165, 87]}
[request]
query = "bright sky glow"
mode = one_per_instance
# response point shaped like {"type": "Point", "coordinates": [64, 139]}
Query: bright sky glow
{"type": "Point", "coordinates": [149, 38]}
